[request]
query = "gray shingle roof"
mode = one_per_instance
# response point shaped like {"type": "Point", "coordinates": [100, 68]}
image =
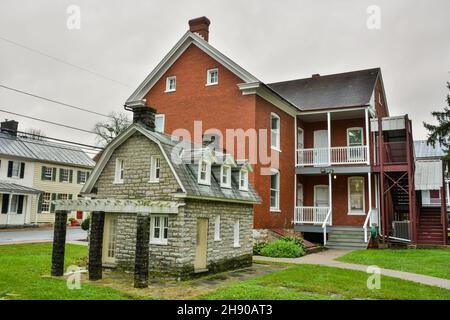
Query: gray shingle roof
{"type": "Point", "coordinates": [43, 150]}
{"type": "Point", "coordinates": [329, 91]}
{"type": "Point", "coordinates": [8, 187]}
{"type": "Point", "coordinates": [424, 150]}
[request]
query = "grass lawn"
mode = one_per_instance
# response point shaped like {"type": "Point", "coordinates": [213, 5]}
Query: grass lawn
{"type": "Point", "coordinates": [431, 262]}
{"type": "Point", "coordinates": [22, 268]}
{"type": "Point", "coordinates": [319, 282]}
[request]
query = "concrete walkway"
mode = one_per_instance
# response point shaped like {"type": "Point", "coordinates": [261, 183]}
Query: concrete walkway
{"type": "Point", "coordinates": [39, 235]}
{"type": "Point", "coordinates": [327, 258]}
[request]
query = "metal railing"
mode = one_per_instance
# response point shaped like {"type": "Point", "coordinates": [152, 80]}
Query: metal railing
{"type": "Point", "coordinates": [310, 215]}
{"type": "Point", "coordinates": [337, 156]}
{"type": "Point", "coordinates": [366, 222]}
{"type": "Point", "coordinates": [324, 226]}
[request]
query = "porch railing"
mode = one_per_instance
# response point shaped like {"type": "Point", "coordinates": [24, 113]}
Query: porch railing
{"type": "Point", "coordinates": [338, 156]}
{"type": "Point", "coordinates": [311, 215]}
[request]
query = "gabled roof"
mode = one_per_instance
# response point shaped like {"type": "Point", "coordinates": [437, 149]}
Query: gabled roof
{"type": "Point", "coordinates": [12, 188]}
{"type": "Point", "coordinates": [424, 150]}
{"type": "Point", "coordinates": [428, 175]}
{"type": "Point", "coordinates": [181, 46]}
{"type": "Point", "coordinates": [340, 90]}
{"type": "Point", "coordinates": [185, 172]}
{"type": "Point", "coordinates": [43, 150]}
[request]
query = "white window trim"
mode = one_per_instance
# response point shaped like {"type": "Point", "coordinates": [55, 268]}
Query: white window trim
{"type": "Point", "coordinates": [245, 187]}
{"type": "Point", "coordinates": [10, 207]}
{"type": "Point", "coordinates": [208, 78]}
{"type": "Point", "coordinates": [153, 161]}
{"type": "Point", "coordinates": [160, 240]}
{"type": "Point", "coordinates": [207, 180]}
{"type": "Point", "coordinates": [276, 147]}
{"type": "Point", "coordinates": [362, 135]}
{"type": "Point", "coordinates": [317, 186]}
{"type": "Point", "coordinates": [168, 84]}
{"type": "Point", "coordinates": [236, 234]}
{"type": "Point", "coordinates": [118, 169]}
{"type": "Point", "coordinates": [18, 171]}
{"type": "Point", "coordinates": [300, 187]}
{"type": "Point", "coordinates": [228, 184]}
{"type": "Point", "coordinates": [362, 213]}
{"type": "Point", "coordinates": [163, 117]}
{"type": "Point", "coordinates": [277, 208]}
{"type": "Point", "coordinates": [83, 173]}
{"type": "Point", "coordinates": [303, 137]}
{"type": "Point", "coordinates": [68, 175]}
{"type": "Point", "coordinates": [217, 228]}
{"type": "Point", "coordinates": [49, 201]}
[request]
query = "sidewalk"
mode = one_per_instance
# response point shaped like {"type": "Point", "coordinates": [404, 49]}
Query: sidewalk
{"type": "Point", "coordinates": [327, 258]}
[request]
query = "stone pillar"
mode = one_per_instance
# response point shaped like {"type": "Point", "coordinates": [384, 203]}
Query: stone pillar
{"type": "Point", "coordinates": [59, 243]}
{"type": "Point", "coordinates": [96, 245]}
{"type": "Point", "coordinates": [142, 250]}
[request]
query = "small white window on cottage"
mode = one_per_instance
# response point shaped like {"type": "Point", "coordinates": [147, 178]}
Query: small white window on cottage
{"type": "Point", "coordinates": [159, 123]}
{"type": "Point", "coordinates": [356, 195]}
{"type": "Point", "coordinates": [14, 204]}
{"type": "Point", "coordinates": [236, 242]}
{"type": "Point", "coordinates": [155, 169]}
{"type": "Point", "coordinates": [204, 172]}
{"type": "Point", "coordinates": [275, 131]}
{"type": "Point", "coordinates": [15, 173]}
{"type": "Point", "coordinates": [217, 228]}
{"type": "Point", "coordinates": [64, 175]}
{"type": "Point", "coordinates": [119, 171]}
{"type": "Point", "coordinates": [275, 191]}
{"type": "Point", "coordinates": [243, 180]}
{"type": "Point", "coordinates": [212, 77]}
{"type": "Point", "coordinates": [171, 84]}
{"type": "Point", "coordinates": [159, 229]}
{"type": "Point", "coordinates": [46, 198]}
{"type": "Point", "coordinates": [225, 176]}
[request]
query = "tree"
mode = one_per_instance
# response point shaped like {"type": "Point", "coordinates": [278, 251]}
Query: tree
{"type": "Point", "coordinates": [107, 130]}
{"type": "Point", "coordinates": [440, 133]}
{"type": "Point", "coordinates": [36, 134]}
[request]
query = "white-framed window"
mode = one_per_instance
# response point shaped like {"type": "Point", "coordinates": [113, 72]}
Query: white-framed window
{"type": "Point", "coordinates": [212, 77]}
{"type": "Point", "coordinates": [217, 228]}
{"type": "Point", "coordinates": [155, 169]}
{"type": "Point", "coordinates": [46, 198]}
{"type": "Point", "coordinates": [299, 195]}
{"type": "Point", "coordinates": [204, 172]}
{"type": "Point", "coordinates": [275, 190]}
{"type": "Point", "coordinates": [243, 180]}
{"type": "Point", "coordinates": [356, 196]}
{"type": "Point", "coordinates": [13, 207]}
{"type": "Point", "coordinates": [15, 173]}
{"type": "Point", "coordinates": [160, 120]}
{"type": "Point", "coordinates": [355, 137]}
{"type": "Point", "coordinates": [171, 84]}
{"type": "Point", "coordinates": [47, 174]}
{"type": "Point", "coordinates": [82, 177]}
{"type": "Point", "coordinates": [225, 176]}
{"type": "Point", "coordinates": [119, 171]}
{"type": "Point", "coordinates": [275, 131]}
{"type": "Point", "coordinates": [236, 236]}
{"type": "Point", "coordinates": [159, 229]}
{"type": "Point", "coordinates": [64, 175]}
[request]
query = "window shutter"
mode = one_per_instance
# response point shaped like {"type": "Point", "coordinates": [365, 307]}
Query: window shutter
{"type": "Point", "coordinates": [87, 175]}
{"type": "Point", "coordinates": [20, 205]}
{"type": "Point", "coordinates": [5, 203]}
{"type": "Point", "coordinates": [22, 170]}
{"type": "Point", "coordinates": [70, 196]}
{"type": "Point", "coordinates": [78, 177]}
{"type": "Point", "coordinates": [40, 200]}
{"type": "Point", "coordinates": [54, 174]}
{"type": "Point", "coordinates": [70, 176]}
{"type": "Point", "coordinates": [10, 167]}
{"type": "Point", "coordinates": [52, 205]}
{"type": "Point", "coordinates": [43, 172]}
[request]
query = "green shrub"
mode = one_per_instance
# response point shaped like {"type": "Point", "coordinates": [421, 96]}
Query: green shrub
{"type": "Point", "coordinates": [297, 240]}
{"type": "Point", "coordinates": [257, 247]}
{"type": "Point", "coordinates": [282, 249]}
{"type": "Point", "coordinates": [85, 223]}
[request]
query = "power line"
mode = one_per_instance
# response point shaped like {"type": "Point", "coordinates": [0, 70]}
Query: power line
{"type": "Point", "coordinates": [63, 61]}
{"type": "Point", "coordinates": [53, 101]}
{"type": "Point", "coordinates": [47, 121]}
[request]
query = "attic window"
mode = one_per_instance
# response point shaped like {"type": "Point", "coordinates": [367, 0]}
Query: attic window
{"type": "Point", "coordinates": [212, 77]}
{"type": "Point", "coordinates": [204, 172]}
{"type": "Point", "coordinates": [225, 176]}
{"type": "Point", "coordinates": [171, 84]}
{"type": "Point", "coordinates": [243, 180]}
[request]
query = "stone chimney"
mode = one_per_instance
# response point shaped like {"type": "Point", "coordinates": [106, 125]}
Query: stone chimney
{"type": "Point", "coordinates": [200, 26]}
{"type": "Point", "coordinates": [316, 75]}
{"type": "Point", "coordinates": [144, 115]}
{"type": "Point", "coordinates": [9, 127]}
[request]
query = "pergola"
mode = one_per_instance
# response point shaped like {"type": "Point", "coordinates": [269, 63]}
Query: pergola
{"type": "Point", "coordinates": [98, 208]}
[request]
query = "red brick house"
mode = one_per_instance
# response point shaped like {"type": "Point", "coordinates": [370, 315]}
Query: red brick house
{"type": "Point", "coordinates": [329, 162]}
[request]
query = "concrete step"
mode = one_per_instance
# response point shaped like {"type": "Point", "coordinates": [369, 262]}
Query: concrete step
{"type": "Point", "coordinates": [345, 247]}
{"type": "Point", "coordinates": [359, 240]}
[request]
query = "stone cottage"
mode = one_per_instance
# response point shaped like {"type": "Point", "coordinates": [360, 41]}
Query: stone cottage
{"type": "Point", "coordinates": [163, 206]}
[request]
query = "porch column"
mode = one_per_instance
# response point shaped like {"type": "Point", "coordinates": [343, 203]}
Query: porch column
{"type": "Point", "coordinates": [142, 250]}
{"type": "Point", "coordinates": [96, 245]}
{"type": "Point", "coordinates": [329, 137]}
{"type": "Point", "coordinates": [330, 195]}
{"type": "Point", "coordinates": [369, 187]}
{"type": "Point", "coordinates": [59, 243]}
{"type": "Point", "coordinates": [367, 135]}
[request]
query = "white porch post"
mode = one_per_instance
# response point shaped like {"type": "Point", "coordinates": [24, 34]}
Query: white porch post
{"type": "Point", "coordinates": [329, 137]}
{"type": "Point", "coordinates": [330, 196]}
{"type": "Point", "coordinates": [295, 166]}
{"type": "Point", "coordinates": [367, 135]}
{"type": "Point", "coordinates": [369, 183]}
{"type": "Point", "coordinates": [9, 208]}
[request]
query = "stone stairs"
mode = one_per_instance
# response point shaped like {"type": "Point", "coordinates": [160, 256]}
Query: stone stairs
{"type": "Point", "coordinates": [346, 238]}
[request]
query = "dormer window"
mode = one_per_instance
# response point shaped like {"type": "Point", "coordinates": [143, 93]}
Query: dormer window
{"type": "Point", "coordinates": [171, 84]}
{"type": "Point", "coordinates": [204, 172]}
{"type": "Point", "coordinates": [155, 169]}
{"type": "Point", "coordinates": [212, 77]}
{"type": "Point", "coordinates": [225, 176]}
{"type": "Point", "coordinates": [243, 180]}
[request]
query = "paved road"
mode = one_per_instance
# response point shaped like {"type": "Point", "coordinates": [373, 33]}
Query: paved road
{"type": "Point", "coordinates": [39, 235]}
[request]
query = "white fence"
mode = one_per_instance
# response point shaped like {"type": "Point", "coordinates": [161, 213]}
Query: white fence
{"type": "Point", "coordinates": [310, 215]}
{"type": "Point", "coordinates": [339, 155]}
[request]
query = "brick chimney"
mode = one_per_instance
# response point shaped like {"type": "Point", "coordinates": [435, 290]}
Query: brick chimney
{"type": "Point", "coordinates": [9, 127]}
{"type": "Point", "coordinates": [200, 26]}
{"type": "Point", "coordinates": [316, 75]}
{"type": "Point", "coordinates": [143, 115]}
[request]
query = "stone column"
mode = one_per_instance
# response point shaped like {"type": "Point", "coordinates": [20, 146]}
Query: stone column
{"type": "Point", "coordinates": [96, 245]}
{"type": "Point", "coordinates": [142, 250]}
{"type": "Point", "coordinates": [59, 243]}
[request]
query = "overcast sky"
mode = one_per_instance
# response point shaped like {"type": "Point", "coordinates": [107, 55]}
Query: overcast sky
{"type": "Point", "coordinates": [274, 40]}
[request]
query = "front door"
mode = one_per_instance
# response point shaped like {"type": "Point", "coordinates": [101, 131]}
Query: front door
{"type": "Point", "coordinates": [202, 244]}
{"type": "Point", "coordinates": [321, 147]}
{"type": "Point", "coordinates": [299, 195]}
{"type": "Point", "coordinates": [109, 239]}
{"type": "Point", "coordinates": [321, 201]}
